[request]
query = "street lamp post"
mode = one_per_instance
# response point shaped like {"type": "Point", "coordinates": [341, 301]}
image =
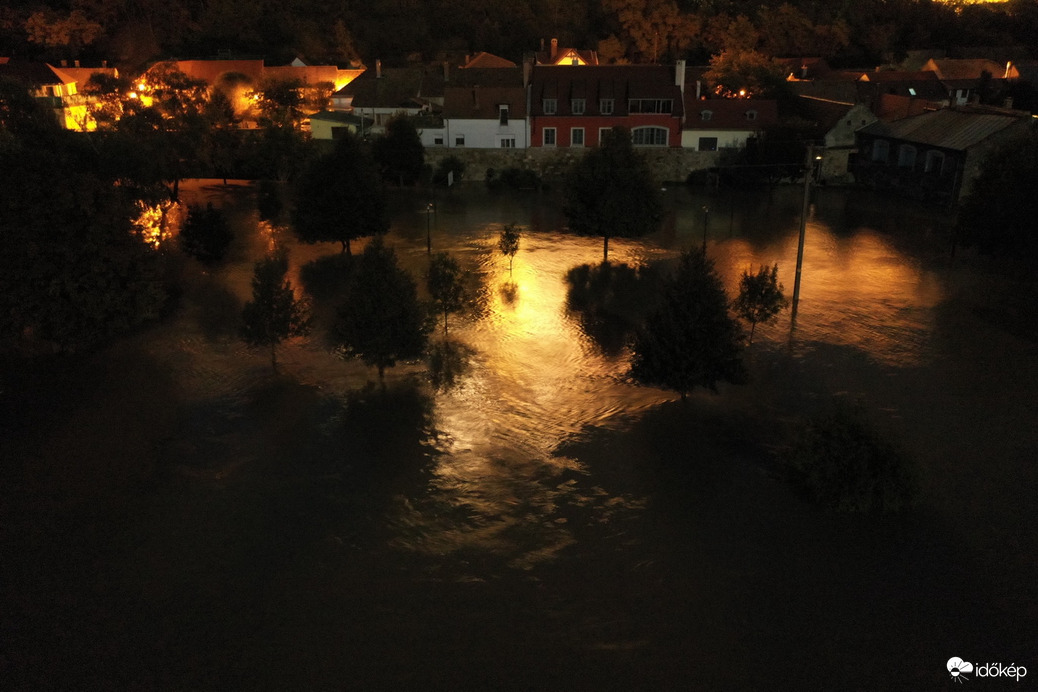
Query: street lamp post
{"type": "Point", "coordinates": [706, 223]}
{"type": "Point", "coordinates": [808, 175]}
{"type": "Point", "coordinates": [428, 228]}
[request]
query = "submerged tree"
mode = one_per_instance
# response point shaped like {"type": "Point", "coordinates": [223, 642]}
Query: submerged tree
{"type": "Point", "coordinates": [381, 321]}
{"type": "Point", "coordinates": [206, 235]}
{"type": "Point", "coordinates": [274, 314]}
{"type": "Point", "coordinates": [986, 219]}
{"type": "Point", "coordinates": [508, 242]}
{"type": "Point", "coordinates": [445, 285]}
{"type": "Point", "coordinates": [399, 152]}
{"type": "Point", "coordinates": [760, 297]}
{"type": "Point", "coordinates": [690, 340]}
{"type": "Point", "coordinates": [610, 192]}
{"type": "Point", "coordinates": [339, 197]}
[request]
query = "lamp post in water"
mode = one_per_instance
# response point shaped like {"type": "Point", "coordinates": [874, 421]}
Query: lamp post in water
{"type": "Point", "coordinates": [809, 171]}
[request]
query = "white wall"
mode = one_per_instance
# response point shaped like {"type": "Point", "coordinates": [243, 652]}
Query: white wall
{"type": "Point", "coordinates": [726, 139]}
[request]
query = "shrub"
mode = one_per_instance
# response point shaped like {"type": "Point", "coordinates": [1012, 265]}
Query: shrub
{"type": "Point", "coordinates": [841, 462]}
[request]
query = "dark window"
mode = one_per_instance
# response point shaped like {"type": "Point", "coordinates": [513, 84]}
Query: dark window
{"type": "Point", "coordinates": [649, 136]}
{"type": "Point", "coordinates": [708, 144]}
{"type": "Point", "coordinates": [651, 106]}
{"type": "Point", "coordinates": [551, 106]}
{"type": "Point", "coordinates": [503, 114]}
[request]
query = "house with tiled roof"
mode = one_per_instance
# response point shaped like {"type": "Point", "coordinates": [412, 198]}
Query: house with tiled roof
{"type": "Point", "coordinates": [484, 59]}
{"type": "Point", "coordinates": [934, 155]}
{"type": "Point", "coordinates": [55, 89]}
{"type": "Point", "coordinates": [381, 93]}
{"type": "Point", "coordinates": [716, 124]}
{"type": "Point", "coordinates": [483, 108]}
{"type": "Point", "coordinates": [573, 108]}
{"type": "Point", "coordinates": [569, 57]}
{"type": "Point", "coordinates": [964, 78]}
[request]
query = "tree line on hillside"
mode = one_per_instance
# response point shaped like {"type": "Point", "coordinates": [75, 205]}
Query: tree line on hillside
{"type": "Point", "coordinates": [865, 31]}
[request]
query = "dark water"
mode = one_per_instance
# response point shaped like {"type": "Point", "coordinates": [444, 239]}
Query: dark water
{"type": "Point", "coordinates": [177, 518]}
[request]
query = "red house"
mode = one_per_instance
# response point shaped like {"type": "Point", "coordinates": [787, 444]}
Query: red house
{"type": "Point", "coordinates": [573, 106]}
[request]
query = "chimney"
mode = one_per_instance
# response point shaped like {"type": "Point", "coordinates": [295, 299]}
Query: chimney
{"type": "Point", "coordinates": [527, 70]}
{"type": "Point", "coordinates": [679, 75]}
{"type": "Point", "coordinates": [542, 45]}
{"type": "Point", "coordinates": [104, 63]}
{"type": "Point", "coordinates": [1008, 103]}
{"type": "Point", "coordinates": [554, 48]}
{"type": "Point", "coordinates": [803, 71]}
{"type": "Point", "coordinates": [64, 63]}
{"type": "Point", "coordinates": [699, 89]}
{"type": "Point", "coordinates": [378, 69]}
{"type": "Point", "coordinates": [475, 97]}
{"type": "Point", "coordinates": [76, 63]}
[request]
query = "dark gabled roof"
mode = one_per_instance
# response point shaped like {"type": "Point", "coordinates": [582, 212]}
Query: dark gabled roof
{"type": "Point", "coordinates": [500, 77]}
{"type": "Point", "coordinates": [34, 74]}
{"type": "Point", "coordinates": [342, 117]}
{"type": "Point", "coordinates": [824, 114]}
{"type": "Point", "coordinates": [397, 87]}
{"type": "Point", "coordinates": [595, 82]}
{"type": "Point", "coordinates": [485, 60]}
{"type": "Point", "coordinates": [730, 114]}
{"type": "Point", "coordinates": [545, 57]}
{"type": "Point", "coordinates": [890, 107]}
{"type": "Point", "coordinates": [483, 102]}
{"type": "Point", "coordinates": [949, 128]}
{"type": "Point", "coordinates": [805, 68]}
{"type": "Point", "coordinates": [957, 69]}
{"type": "Point", "coordinates": [923, 84]}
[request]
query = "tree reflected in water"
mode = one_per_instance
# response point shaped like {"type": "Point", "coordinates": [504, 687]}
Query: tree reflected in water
{"type": "Point", "coordinates": [610, 300]}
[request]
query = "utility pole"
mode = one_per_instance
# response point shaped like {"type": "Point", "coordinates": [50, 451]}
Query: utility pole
{"type": "Point", "coordinates": [808, 175]}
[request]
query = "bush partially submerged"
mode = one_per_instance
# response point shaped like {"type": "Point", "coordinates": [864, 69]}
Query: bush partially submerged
{"type": "Point", "coordinates": [841, 462]}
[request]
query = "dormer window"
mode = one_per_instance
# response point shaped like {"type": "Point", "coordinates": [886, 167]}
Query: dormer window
{"type": "Point", "coordinates": [577, 106]}
{"type": "Point", "coordinates": [751, 115]}
{"type": "Point", "coordinates": [706, 115]}
{"type": "Point", "coordinates": [502, 114]}
{"type": "Point", "coordinates": [551, 106]}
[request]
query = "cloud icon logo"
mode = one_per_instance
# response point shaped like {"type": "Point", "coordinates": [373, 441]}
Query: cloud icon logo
{"type": "Point", "coordinates": [958, 668]}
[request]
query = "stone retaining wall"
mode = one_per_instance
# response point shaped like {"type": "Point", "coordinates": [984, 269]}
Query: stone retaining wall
{"type": "Point", "coordinates": [668, 165]}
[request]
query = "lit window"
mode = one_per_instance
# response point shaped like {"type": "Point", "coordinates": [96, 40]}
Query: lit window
{"type": "Point", "coordinates": [577, 106]}
{"type": "Point", "coordinates": [549, 136]}
{"type": "Point", "coordinates": [576, 137]}
{"type": "Point", "coordinates": [551, 106]}
{"type": "Point", "coordinates": [649, 136]}
{"type": "Point", "coordinates": [605, 106]}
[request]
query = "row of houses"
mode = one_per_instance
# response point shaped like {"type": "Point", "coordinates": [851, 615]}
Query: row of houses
{"type": "Point", "coordinates": [557, 105]}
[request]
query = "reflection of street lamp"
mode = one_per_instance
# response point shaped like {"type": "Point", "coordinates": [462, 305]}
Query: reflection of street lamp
{"type": "Point", "coordinates": [706, 222]}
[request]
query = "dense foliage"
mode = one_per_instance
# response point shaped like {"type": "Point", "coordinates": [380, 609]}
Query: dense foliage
{"type": "Point", "coordinates": [841, 462]}
{"type": "Point", "coordinates": [381, 320]}
{"type": "Point", "coordinates": [610, 192]}
{"type": "Point", "coordinates": [274, 314]}
{"type": "Point", "coordinates": [998, 215]}
{"type": "Point", "coordinates": [633, 30]}
{"type": "Point", "coordinates": [206, 235]}
{"type": "Point", "coordinates": [339, 197]}
{"type": "Point", "coordinates": [690, 340]}
{"type": "Point", "coordinates": [73, 272]}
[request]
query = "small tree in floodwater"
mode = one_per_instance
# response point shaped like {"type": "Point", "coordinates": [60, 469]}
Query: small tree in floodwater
{"type": "Point", "coordinates": [445, 286]}
{"type": "Point", "coordinates": [206, 235]}
{"type": "Point", "coordinates": [760, 297]}
{"type": "Point", "coordinates": [508, 243]}
{"type": "Point", "coordinates": [381, 320]}
{"type": "Point", "coordinates": [840, 461]}
{"type": "Point", "coordinates": [274, 314]}
{"type": "Point", "coordinates": [690, 340]}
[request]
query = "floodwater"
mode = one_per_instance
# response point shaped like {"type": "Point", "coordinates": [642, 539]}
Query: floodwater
{"type": "Point", "coordinates": [176, 517]}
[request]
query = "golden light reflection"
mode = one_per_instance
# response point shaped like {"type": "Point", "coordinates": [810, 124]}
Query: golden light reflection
{"type": "Point", "coordinates": [533, 382]}
{"type": "Point", "coordinates": [855, 291]}
{"type": "Point", "coordinates": [157, 223]}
